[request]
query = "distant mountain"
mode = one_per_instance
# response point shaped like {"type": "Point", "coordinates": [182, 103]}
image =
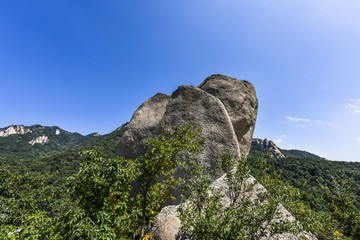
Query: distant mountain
{"type": "Point", "coordinates": [305, 170]}
{"type": "Point", "coordinates": [63, 164]}
{"type": "Point", "coordinates": [38, 141]}
{"type": "Point", "coordinates": [266, 145]}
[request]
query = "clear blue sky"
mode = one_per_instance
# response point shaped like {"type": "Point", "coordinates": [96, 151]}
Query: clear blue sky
{"type": "Point", "coordinates": [87, 65]}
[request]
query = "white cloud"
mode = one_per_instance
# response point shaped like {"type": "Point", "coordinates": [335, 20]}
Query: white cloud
{"type": "Point", "coordinates": [303, 122]}
{"type": "Point", "coordinates": [358, 139]}
{"type": "Point", "coordinates": [280, 140]}
{"type": "Point", "coordinates": [291, 146]}
{"type": "Point", "coordinates": [354, 105]}
{"type": "Point", "coordinates": [294, 119]}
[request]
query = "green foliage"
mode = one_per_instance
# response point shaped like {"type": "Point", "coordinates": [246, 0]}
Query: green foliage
{"type": "Point", "coordinates": [339, 201]}
{"type": "Point", "coordinates": [338, 219]}
{"type": "Point", "coordinates": [305, 174]}
{"type": "Point", "coordinates": [104, 208]}
{"type": "Point", "coordinates": [100, 192]}
{"type": "Point", "coordinates": [99, 203]}
{"type": "Point", "coordinates": [204, 214]}
{"type": "Point", "coordinates": [29, 207]}
{"type": "Point", "coordinates": [64, 164]}
{"type": "Point", "coordinates": [163, 157]}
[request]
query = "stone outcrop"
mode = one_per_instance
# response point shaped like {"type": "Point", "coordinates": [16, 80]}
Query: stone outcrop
{"type": "Point", "coordinates": [225, 108]}
{"type": "Point", "coordinates": [41, 140]}
{"type": "Point", "coordinates": [227, 116]}
{"type": "Point", "coordinates": [191, 104]}
{"type": "Point", "coordinates": [187, 104]}
{"type": "Point", "coordinates": [11, 130]}
{"type": "Point", "coordinates": [240, 101]}
{"type": "Point", "coordinates": [144, 125]}
{"type": "Point", "coordinates": [268, 145]}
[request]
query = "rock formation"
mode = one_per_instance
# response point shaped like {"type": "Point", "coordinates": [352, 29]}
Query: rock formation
{"type": "Point", "coordinates": [144, 125]}
{"type": "Point", "coordinates": [240, 101]}
{"type": "Point", "coordinates": [191, 104]}
{"type": "Point", "coordinates": [225, 108]}
{"type": "Point", "coordinates": [11, 130]}
{"type": "Point", "coordinates": [268, 145]}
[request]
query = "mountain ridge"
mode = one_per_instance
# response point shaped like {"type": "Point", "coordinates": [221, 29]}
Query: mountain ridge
{"type": "Point", "coordinates": [38, 141]}
{"type": "Point", "coordinates": [267, 145]}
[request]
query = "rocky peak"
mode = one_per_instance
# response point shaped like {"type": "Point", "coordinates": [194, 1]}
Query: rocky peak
{"type": "Point", "coordinates": [37, 140]}
{"type": "Point", "coordinates": [41, 139]}
{"type": "Point", "coordinates": [268, 145]}
{"type": "Point", "coordinates": [14, 129]}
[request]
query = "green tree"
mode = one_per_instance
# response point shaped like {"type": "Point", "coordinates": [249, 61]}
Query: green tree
{"type": "Point", "coordinates": [29, 207]}
{"type": "Point", "coordinates": [340, 204]}
{"type": "Point", "coordinates": [101, 192]}
{"type": "Point", "coordinates": [204, 214]}
{"type": "Point", "coordinates": [164, 155]}
{"type": "Point", "coordinates": [105, 205]}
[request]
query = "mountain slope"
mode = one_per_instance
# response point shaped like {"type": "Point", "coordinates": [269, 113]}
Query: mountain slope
{"type": "Point", "coordinates": [63, 164]}
{"type": "Point", "coordinates": [266, 145]}
{"type": "Point", "coordinates": [38, 141]}
{"type": "Point", "coordinates": [306, 171]}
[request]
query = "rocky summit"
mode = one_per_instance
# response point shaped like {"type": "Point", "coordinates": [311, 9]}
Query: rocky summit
{"type": "Point", "coordinates": [224, 107]}
{"type": "Point", "coordinates": [267, 145]}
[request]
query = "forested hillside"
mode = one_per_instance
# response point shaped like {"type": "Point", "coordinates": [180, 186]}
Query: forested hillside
{"type": "Point", "coordinates": [39, 199]}
{"type": "Point", "coordinates": [38, 141]}
{"type": "Point", "coordinates": [307, 172]}
{"type": "Point", "coordinates": [63, 164]}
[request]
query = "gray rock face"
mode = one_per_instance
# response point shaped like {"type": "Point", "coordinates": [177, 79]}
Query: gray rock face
{"type": "Point", "coordinates": [167, 224]}
{"type": "Point", "coordinates": [144, 125]}
{"type": "Point", "coordinates": [187, 104]}
{"type": "Point", "coordinates": [191, 104]}
{"type": "Point", "coordinates": [240, 101]}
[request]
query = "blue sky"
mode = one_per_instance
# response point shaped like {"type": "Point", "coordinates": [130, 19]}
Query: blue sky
{"type": "Point", "coordinates": [87, 65]}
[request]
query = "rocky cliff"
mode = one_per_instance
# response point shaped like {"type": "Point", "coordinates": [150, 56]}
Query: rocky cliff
{"type": "Point", "coordinates": [267, 145]}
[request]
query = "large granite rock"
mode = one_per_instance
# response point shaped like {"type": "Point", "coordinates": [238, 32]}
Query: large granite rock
{"type": "Point", "coordinates": [187, 104]}
{"type": "Point", "coordinates": [144, 125]}
{"type": "Point", "coordinates": [240, 101]}
{"type": "Point", "coordinates": [225, 108]}
{"type": "Point", "coordinates": [191, 104]}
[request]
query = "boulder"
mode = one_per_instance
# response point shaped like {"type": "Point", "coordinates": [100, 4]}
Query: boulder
{"type": "Point", "coordinates": [167, 224]}
{"type": "Point", "coordinates": [224, 107]}
{"type": "Point", "coordinates": [144, 125]}
{"type": "Point", "coordinates": [191, 104]}
{"type": "Point", "coordinates": [240, 101]}
{"type": "Point", "coordinates": [187, 104]}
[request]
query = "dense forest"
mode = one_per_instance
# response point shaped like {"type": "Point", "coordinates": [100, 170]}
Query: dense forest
{"type": "Point", "coordinates": [75, 194]}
